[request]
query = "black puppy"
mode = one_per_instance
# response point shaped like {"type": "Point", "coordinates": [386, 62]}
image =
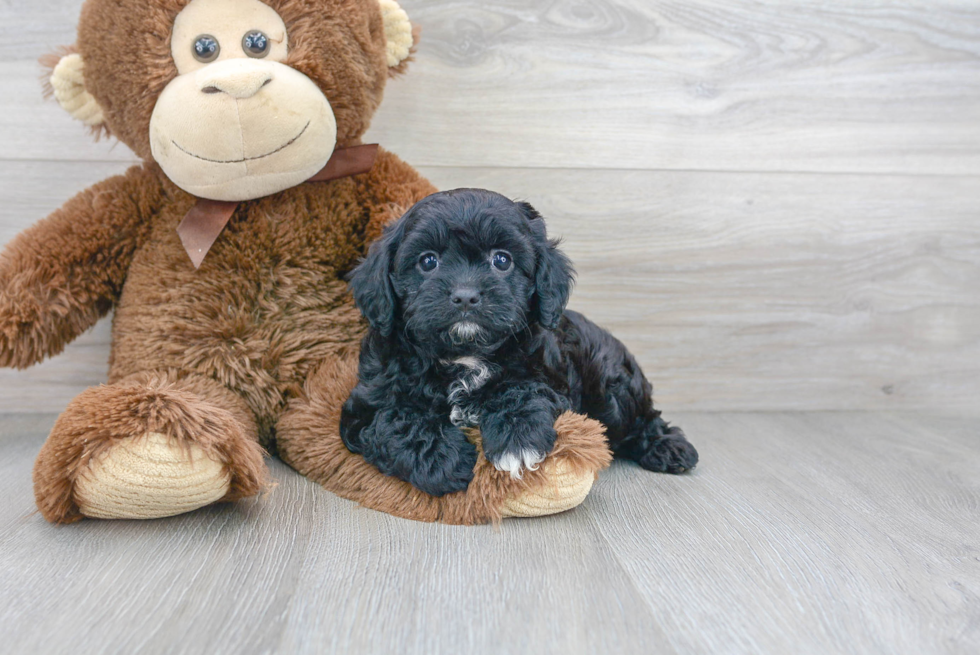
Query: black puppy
{"type": "Point", "coordinates": [466, 299]}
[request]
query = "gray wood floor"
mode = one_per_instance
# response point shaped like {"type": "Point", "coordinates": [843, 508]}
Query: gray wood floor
{"type": "Point", "coordinates": [800, 533]}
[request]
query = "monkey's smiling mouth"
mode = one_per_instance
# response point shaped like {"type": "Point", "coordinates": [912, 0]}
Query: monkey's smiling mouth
{"type": "Point", "coordinates": [245, 159]}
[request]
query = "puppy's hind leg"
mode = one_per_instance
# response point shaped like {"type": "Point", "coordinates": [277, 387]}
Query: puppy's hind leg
{"type": "Point", "coordinates": [657, 446]}
{"type": "Point", "coordinates": [635, 429]}
{"type": "Point", "coordinates": [616, 393]}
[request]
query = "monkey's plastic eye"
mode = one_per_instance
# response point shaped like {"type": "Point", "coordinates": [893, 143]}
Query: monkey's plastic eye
{"type": "Point", "coordinates": [502, 260]}
{"type": "Point", "coordinates": [206, 48]}
{"type": "Point", "coordinates": [428, 262]}
{"type": "Point", "coordinates": [255, 44]}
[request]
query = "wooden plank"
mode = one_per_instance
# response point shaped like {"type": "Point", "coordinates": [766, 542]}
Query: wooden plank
{"type": "Point", "coordinates": [302, 571]}
{"type": "Point", "coordinates": [28, 26]}
{"type": "Point", "coordinates": [35, 128]}
{"type": "Point", "coordinates": [799, 532]}
{"type": "Point", "coordinates": [808, 533]}
{"type": "Point", "coordinates": [548, 585]}
{"type": "Point", "coordinates": [886, 87]}
{"type": "Point", "coordinates": [889, 87]}
{"type": "Point", "coordinates": [209, 581]}
{"type": "Point", "coordinates": [735, 291]}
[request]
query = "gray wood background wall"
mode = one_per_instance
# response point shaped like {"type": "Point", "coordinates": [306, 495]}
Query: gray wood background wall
{"type": "Point", "coordinates": [776, 205]}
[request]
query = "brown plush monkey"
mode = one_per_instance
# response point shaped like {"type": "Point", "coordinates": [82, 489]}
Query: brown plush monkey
{"type": "Point", "coordinates": [233, 329]}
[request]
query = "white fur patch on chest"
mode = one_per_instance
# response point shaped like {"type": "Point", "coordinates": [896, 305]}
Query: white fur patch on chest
{"type": "Point", "coordinates": [477, 374]}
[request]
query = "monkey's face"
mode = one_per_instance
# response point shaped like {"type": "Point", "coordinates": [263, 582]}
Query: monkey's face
{"type": "Point", "coordinates": [234, 99]}
{"type": "Point", "coordinates": [236, 123]}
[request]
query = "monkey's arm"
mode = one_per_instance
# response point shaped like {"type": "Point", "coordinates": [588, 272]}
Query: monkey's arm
{"type": "Point", "coordinates": [389, 190]}
{"type": "Point", "coordinates": [58, 277]}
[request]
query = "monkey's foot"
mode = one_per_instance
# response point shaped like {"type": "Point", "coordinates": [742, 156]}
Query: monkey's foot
{"type": "Point", "coordinates": [149, 477]}
{"type": "Point", "coordinates": [564, 488]}
{"type": "Point", "coordinates": [148, 447]}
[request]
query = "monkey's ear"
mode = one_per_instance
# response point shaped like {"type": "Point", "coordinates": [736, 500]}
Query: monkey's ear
{"type": "Point", "coordinates": [68, 86]}
{"type": "Point", "coordinates": [399, 34]}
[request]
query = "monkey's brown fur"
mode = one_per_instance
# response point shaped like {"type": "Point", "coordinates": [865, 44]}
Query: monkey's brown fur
{"type": "Point", "coordinates": [254, 349]}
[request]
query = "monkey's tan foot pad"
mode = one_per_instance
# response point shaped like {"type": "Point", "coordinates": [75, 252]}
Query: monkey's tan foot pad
{"type": "Point", "coordinates": [566, 488]}
{"type": "Point", "coordinates": [150, 476]}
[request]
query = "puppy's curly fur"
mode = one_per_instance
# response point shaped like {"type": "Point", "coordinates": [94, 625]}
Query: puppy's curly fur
{"type": "Point", "coordinates": [466, 299]}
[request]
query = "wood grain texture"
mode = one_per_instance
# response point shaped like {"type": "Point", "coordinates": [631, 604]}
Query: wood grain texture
{"type": "Point", "coordinates": [735, 291]}
{"type": "Point", "coordinates": [869, 86]}
{"type": "Point", "coordinates": [802, 533]}
{"type": "Point", "coordinates": [761, 286]}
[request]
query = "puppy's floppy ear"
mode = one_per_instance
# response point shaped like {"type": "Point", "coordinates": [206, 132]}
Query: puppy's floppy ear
{"type": "Point", "coordinates": [553, 276]}
{"type": "Point", "coordinates": [371, 284]}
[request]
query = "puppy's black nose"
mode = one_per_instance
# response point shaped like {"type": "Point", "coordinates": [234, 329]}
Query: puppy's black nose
{"type": "Point", "coordinates": [466, 298]}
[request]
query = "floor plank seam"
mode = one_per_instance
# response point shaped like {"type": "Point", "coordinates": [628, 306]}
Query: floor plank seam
{"type": "Point", "coordinates": [599, 169]}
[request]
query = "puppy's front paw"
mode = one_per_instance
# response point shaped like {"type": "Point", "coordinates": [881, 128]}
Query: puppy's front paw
{"type": "Point", "coordinates": [515, 462]}
{"type": "Point", "coordinates": [515, 442]}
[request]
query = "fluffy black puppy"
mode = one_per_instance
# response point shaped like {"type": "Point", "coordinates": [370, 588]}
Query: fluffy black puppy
{"type": "Point", "coordinates": [466, 299]}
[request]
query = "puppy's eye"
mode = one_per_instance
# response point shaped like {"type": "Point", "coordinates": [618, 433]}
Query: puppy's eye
{"type": "Point", "coordinates": [206, 48]}
{"type": "Point", "coordinates": [428, 262]}
{"type": "Point", "coordinates": [502, 260]}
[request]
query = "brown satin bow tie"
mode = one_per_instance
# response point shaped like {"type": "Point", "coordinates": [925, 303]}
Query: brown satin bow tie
{"type": "Point", "coordinates": [205, 221]}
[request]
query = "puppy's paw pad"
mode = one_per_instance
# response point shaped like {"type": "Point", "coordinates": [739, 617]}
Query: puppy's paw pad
{"type": "Point", "coordinates": [515, 462]}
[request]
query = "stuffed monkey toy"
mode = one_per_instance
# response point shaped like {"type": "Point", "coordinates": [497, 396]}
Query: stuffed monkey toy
{"type": "Point", "coordinates": [223, 256]}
